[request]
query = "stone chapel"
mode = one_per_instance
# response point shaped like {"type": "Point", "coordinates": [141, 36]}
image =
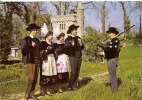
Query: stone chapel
{"type": "Point", "coordinates": [73, 17]}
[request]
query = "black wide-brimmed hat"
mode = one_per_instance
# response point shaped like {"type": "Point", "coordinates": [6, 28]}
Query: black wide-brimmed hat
{"type": "Point", "coordinates": [32, 26]}
{"type": "Point", "coordinates": [113, 30]}
{"type": "Point", "coordinates": [71, 28]}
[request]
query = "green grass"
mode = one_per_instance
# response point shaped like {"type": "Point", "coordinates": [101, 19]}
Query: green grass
{"type": "Point", "coordinates": [129, 70]}
{"type": "Point", "coordinates": [16, 73]}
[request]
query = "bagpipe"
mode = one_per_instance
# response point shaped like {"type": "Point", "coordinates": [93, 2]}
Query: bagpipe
{"type": "Point", "coordinates": [104, 43]}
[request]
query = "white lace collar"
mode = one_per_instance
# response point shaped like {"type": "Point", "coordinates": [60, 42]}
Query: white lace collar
{"type": "Point", "coordinates": [31, 36]}
{"type": "Point", "coordinates": [48, 42]}
{"type": "Point", "coordinates": [59, 42]}
{"type": "Point", "coordinates": [72, 35]}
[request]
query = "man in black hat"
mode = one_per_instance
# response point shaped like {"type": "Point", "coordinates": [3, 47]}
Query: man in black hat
{"type": "Point", "coordinates": [112, 53]}
{"type": "Point", "coordinates": [31, 56]}
{"type": "Point", "coordinates": [73, 48]}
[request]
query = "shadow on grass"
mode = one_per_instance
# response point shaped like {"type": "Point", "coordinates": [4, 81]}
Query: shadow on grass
{"type": "Point", "coordinates": [64, 86]}
{"type": "Point", "coordinates": [10, 62]}
{"type": "Point", "coordinates": [82, 82]}
{"type": "Point", "coordinates": [119, 81]}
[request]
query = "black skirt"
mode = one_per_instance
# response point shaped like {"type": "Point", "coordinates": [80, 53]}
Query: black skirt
{"type": "Point", "coordinates": [48, 80]}
{"type": "Point", "coordinates": [63, 77]}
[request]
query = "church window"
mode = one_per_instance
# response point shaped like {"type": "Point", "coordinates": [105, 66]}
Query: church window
{"type": "Point", "coordinates": [60, 27]}
{"type": "Point", "coordinates": [64, 26]}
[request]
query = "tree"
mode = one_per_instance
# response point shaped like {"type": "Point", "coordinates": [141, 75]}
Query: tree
{"type": "Point", "coordinates": [30, 12]}
{"type": "Point", "coordinates": [126, 17]}
{"type": "Point", "coordinates": [7, 27]}
{"type": "Point", "coordinates": [5, 37]}
{"type": "Point", "coordinates": [60, 5]}
{"type": "Point", "coordinates": [66, 6]}
{"type": "Point", "coordinates": [138, 7]}
{"type": "Point", "coordinates": [101, 9]}
{"type": "Point", "coordinates": [103, 15]}
{"type": "Point", "coordinates": [14, 16]}
{"type": "Point", "coordinates": [90, 40]}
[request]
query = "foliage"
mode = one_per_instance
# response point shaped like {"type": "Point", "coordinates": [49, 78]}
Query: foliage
{"type": "Point", "coordinates": [5, 37]}
{"type": "Point", "coordinates": [137, 40]}
{"type": "Point", "coordinates": [22, 14]}
{"type": "Point", "coordinates": [7, 27]}
{"type": "Point", "coordinates": [133, 39]}
{"type": "Point", "coordinates": [91, 39]}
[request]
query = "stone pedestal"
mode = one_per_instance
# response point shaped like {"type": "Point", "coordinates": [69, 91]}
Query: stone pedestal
{"type": "Point", "coordinates": [14, 52]}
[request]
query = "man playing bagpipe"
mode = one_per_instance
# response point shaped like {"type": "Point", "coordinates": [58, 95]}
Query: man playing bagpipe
{"type": "Point", "coordinates": [112, 49]}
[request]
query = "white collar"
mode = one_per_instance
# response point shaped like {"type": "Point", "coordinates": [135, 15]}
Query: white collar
{"type": "Point", "coordinates": [59, 42]}
{"type": "Point", "coordinates": [72, 35]}
{"type": "Point", "coordinates": [31, 36]}
{"type": "Point", "coordinates": [48, 42]}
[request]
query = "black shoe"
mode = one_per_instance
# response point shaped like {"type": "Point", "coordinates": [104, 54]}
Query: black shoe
{"type": "Point", "coordinates": [34, 97]}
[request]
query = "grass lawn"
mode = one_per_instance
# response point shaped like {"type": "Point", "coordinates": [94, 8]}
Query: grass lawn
{"type": "Point", "coordinates": [129, 71]}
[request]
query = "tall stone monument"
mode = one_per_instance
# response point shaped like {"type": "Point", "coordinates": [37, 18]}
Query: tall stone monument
{"type": "Point", "coordinates": [80, 19]}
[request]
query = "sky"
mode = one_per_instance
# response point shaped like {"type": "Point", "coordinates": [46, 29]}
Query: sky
{"type": "Point", "coordinates": [114, 15]}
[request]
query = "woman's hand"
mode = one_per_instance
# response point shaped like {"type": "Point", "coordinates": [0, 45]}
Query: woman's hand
{"type": "Point", "coordinates": [49, 47]}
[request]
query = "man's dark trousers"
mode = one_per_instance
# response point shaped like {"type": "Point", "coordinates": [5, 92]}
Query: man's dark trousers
{"type": "Point", "coordinates": [112, 66]}
{"type": "Point", "coordinates": [75, 64]}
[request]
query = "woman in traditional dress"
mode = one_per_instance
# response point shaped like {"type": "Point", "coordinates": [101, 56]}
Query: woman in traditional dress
{"type": "Point", "coordinates": [62, 61]}
{"type": "Point", "coordinates": [48, 70]}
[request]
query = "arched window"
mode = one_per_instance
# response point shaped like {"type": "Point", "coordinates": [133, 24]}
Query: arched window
{"type": "Point", "coordinates": [60, 27]}
{"type": "Point", "coordinates": [64, 26]}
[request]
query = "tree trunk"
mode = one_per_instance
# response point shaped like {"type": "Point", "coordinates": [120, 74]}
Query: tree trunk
{"type": "Point", "coordinates": [57, 6]}
{"type": "Point", "coordinates": [140, 34]}
{"type": "Point", "coordinates": [126, 18]}
{"type": "Point", "coordinates": [66, 6]}
{"type": "Point", "coordinates": [140, 27]}
{"type": "Point", "coordinates": [103, 12]}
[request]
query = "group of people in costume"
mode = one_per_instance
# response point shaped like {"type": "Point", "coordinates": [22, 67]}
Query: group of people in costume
{"type": "Point", "coordinates": [60, 61]}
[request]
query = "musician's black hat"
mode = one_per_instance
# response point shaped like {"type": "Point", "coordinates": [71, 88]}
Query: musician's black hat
{"type": "Point", "coordinates": [113, 30]}
{"type": "Point", "coordinates": [32, 26]}
{"type": "Point", "coordinates": [71, 28]}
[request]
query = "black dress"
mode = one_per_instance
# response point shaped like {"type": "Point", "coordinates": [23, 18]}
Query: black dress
{"type": "Point", "coordinates": [62, 63]}
{"type": "Point", "coordinates": [47, 56]}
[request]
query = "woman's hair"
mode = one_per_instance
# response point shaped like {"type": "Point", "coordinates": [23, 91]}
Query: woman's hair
{"type": "Point", "coordinates": [59, 36]}
{"type": "Point", "coordinates": [49, 33]}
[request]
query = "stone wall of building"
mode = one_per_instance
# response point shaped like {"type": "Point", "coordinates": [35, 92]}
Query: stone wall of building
{"type": "Point", "coordinates": [64, 21]}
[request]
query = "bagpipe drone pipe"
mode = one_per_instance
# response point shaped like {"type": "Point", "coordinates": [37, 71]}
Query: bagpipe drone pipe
{"type": "Point", "coordinates": [106, 43]}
